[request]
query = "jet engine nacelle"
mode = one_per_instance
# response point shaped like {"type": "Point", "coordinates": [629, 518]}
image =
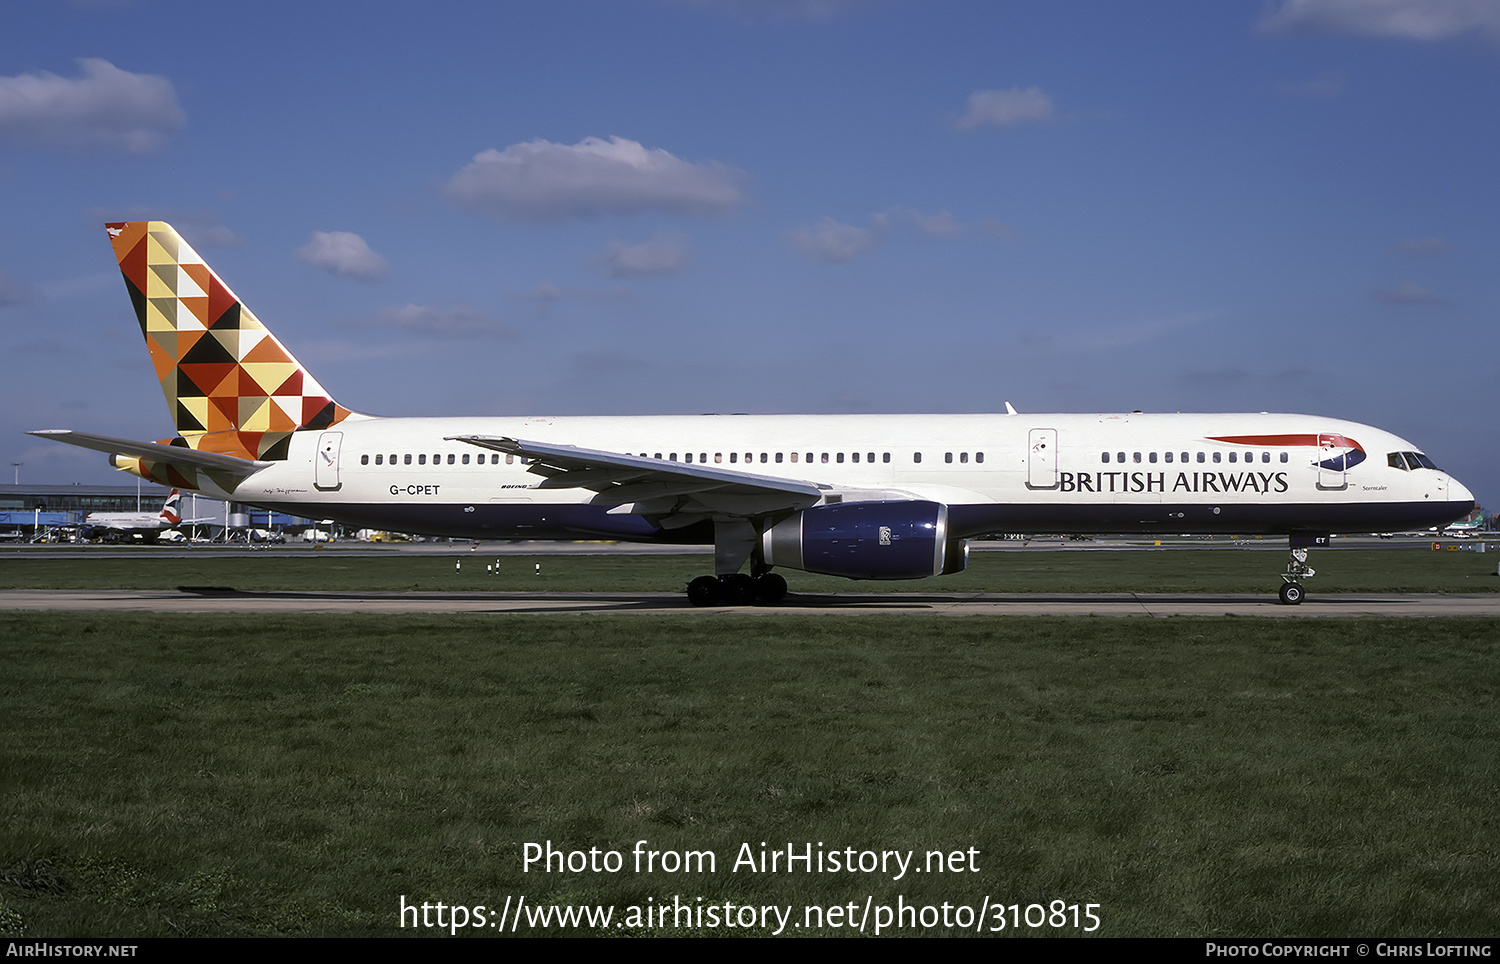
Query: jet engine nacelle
{"type": "Point", "coordinates": [867, 540]}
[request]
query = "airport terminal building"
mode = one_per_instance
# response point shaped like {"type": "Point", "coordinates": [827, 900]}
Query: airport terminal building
{"type": "Point", "coordinates": [36, 512]}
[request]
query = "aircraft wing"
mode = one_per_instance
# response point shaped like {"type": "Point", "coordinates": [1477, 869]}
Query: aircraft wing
{"type": "Point", "coordinates": [674, 494]}
{"type": "Point", "coordinates": [177, 456]}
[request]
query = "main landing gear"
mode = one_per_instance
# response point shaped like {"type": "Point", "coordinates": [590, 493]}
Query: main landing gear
{"type": "Point", "coordinates": [1296, 569]}
{"type": "Point", "coordinates": [737, 541]}
{"type": "Point", "coordinates": [739, 589]}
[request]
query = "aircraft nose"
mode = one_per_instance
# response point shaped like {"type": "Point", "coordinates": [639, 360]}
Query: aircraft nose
{"type": "Point", "coordinates": [1458, 492]}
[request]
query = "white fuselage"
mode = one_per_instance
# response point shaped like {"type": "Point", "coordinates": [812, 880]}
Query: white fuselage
{"type": "Point", "coordinates": [1073, 473]}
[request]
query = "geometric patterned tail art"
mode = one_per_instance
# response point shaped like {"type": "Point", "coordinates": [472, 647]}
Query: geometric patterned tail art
{"type": "Point", "coordinates": [231, 386]}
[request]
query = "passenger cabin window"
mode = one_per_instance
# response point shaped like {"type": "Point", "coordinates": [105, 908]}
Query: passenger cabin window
{"type": "Point", "coordinates": [364, 460]}
{"type": "Point", "coordinates": [916, 456]}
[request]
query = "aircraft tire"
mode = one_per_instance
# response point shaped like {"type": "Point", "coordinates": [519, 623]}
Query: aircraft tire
{"type": "Point", "coordinates": [739, 589]}
{"type": "Point", "coordinates": [770, 588]}
{"type": "Point", "coordinates": [1291, 593]}
{"type": "Point", "coordinates": [704, 591]}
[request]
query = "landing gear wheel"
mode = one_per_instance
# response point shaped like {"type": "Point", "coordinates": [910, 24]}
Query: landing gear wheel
{"type": "Point", "coordinates": [1291, 593]}
{"type": "Point", "coordinates": [770, 588]}
{"type": "Point", "coordinates": [704, 591]}
{"type": "Point", "coordinates": [739, 589]}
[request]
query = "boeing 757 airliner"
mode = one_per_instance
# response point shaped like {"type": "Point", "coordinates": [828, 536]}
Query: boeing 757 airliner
{"type": "Point", "coordinates": [862, 496]}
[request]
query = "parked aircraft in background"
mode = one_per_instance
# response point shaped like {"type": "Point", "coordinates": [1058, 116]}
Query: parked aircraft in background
{"type": "Point", "coordinates": [862, 496]}
{"type": "Point", "coordinates": [1472, 524]}
{"type": "Point", "coordinates": [117, 525]}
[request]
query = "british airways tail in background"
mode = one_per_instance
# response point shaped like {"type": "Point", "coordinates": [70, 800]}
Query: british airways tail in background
{"type": "Point", "coordinates": [862, 496]}
{"type": "Point", "coordinates": [115, 525]}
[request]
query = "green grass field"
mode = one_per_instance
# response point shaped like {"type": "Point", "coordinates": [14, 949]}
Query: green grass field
{"type": "Point", "coordinates": [1404, 569]}
{"type": "Point", "coordinates": [299, 775]}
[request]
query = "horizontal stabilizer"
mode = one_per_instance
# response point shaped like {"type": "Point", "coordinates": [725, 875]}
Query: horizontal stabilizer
{"type": "Point", "coordinates": [157, 452]}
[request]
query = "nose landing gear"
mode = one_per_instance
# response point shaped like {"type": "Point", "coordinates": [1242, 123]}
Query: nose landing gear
{"type": "Point", "coordinates": [1297, 569]}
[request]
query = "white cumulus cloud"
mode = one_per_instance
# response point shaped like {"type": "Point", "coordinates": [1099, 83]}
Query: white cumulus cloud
{"type": "Point", "coordinates": [812, 10]}
{"type": "Point", "coordinates": [545, 181]}
{"type": "Point", "coordinates": [446, 321]}
{"type": "Point", "coordinates": [941, 224]}
{"type": "Point", "coordinates": [1326, 86]}
{"type": "Point", "coordinates": [658, 256]}
{"type": "Point", "coordinates": [345, 253]}
{"type": "Point", "coordinates": [1409, 293]}
{"type": "Point", "coordinates": [1006, 108]}
{"type": "Point", "coordinates": [107, 109]}
{"type": "Point", "coordinates": [834, 241]}
{"type": "Point", "coordinates": [1423, 247]}
{"type": "Point", "coordinates": [1405, 19]}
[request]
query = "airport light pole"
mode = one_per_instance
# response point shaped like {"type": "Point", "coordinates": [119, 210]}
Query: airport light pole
{"type": "Point", "coordinates": [17, 467]}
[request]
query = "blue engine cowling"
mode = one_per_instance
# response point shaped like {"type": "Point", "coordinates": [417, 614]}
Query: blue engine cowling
{"type": "Point", "coordinates": [867, 540]}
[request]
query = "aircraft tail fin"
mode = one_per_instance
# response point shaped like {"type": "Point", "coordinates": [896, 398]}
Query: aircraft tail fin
{"type": "Point", "coordinates": [169, 510]}
{"type": "Point", "coordinates": [231, 386]}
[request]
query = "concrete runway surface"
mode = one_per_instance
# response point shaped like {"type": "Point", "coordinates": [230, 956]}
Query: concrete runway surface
{"type": "Point", "coordinates": [840, 604]}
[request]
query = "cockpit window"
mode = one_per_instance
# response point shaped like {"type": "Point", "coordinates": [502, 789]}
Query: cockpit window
{"type": "Point", "coordinates": [1410, 460]}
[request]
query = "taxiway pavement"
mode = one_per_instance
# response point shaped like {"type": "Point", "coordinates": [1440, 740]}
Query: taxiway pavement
{"type": "Point", "coordinates": [841, 604]}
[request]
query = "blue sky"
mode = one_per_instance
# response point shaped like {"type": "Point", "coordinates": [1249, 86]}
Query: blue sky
{"type": "Point", "coordinates": [681, 206]}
